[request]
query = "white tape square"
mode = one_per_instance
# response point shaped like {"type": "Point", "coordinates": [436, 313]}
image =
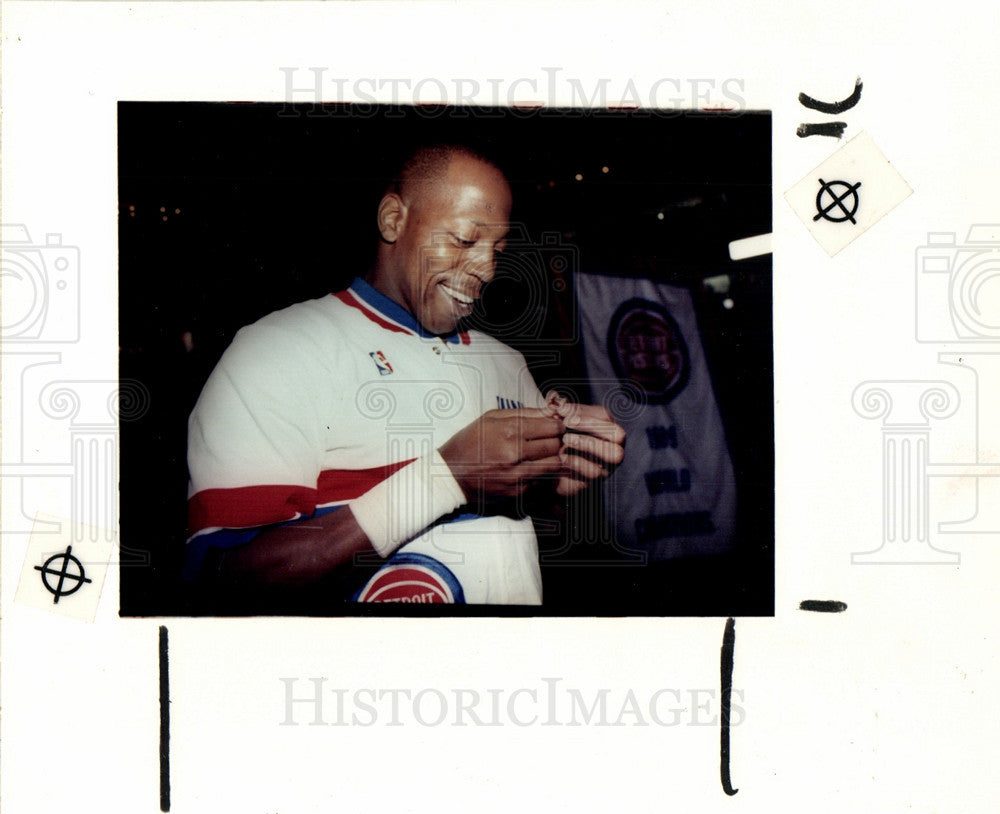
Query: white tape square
{"type": "Point", "coordinates": [847, 194]}
{"type": "Point", "coordinates": [64, 568]}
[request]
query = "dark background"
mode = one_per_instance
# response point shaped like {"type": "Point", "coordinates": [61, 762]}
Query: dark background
{"type": "Point", "coordinates": [230, 211]}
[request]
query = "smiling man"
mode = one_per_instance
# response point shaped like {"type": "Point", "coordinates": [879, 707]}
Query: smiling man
{"type": "Point", "coordinates": [442, 224]}
{"type": "Point", "coordinates": [359, 432]}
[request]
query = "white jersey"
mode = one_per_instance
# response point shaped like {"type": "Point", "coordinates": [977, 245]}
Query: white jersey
{"type": "Point", "coordinates": [314, 405]}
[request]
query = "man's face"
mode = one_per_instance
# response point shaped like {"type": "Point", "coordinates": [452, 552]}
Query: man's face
{"type": "Point", "coordinates": [446, 248]}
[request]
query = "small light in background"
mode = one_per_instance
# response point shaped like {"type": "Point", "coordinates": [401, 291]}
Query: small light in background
{"type": "Point", "coordinates": [750, 247]}
{"type": "Point", "coordinates": [660, 216]}
{"type": "Point", "coordinates": [717, 284]}
{"type": "Point", "coordinates": [552, 183]}
{"type": "Point", "coordinates": [728, 304]}
{"type": "Point", "coordinates": [605, 170]}
{"type": "Point", "coordinates": [163, 209]}
{"type": "Point", "coordinates": [578, 176]}
{"type": "Point", "coordinates": [177, 211]}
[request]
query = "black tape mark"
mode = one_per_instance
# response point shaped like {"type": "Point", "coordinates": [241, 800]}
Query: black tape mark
{"type": "Point", "coordinates": [823, 605]}
{"type": "Point", "coordinates": [164, 722]}
{"type": "Point", "coordinates": [726, 670]}
{"type": "Point", "coordinates": [835, 129]}
{"type": "Point", "coordinates": [833, 107]}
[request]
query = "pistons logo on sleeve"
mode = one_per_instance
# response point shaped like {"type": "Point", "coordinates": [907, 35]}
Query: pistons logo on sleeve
{"type": "Point", "coordinates": [413, 578]}
{"type": "Point", "coordinates": [647, 348]}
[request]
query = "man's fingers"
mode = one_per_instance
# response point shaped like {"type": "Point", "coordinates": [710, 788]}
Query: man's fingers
{"type": "Point", "coordinates": [583, 467]}
{"type": "Point", "coordinates": [553, 404]}
{"type": "Point", "coordinates": [541, 448]}
{"type": "Point", "coordinates": [568, 486]}
{"type": "Point", "coordinates": [597, 447]}
{"type": "Point", "coordinates": [522, 412]}
{"type": "Point", "coordinates": [531, 424]}
{"type": "Point", "coordinates": [600, 428]}
{"type": "Point", "coordinates": [539, 468]}
{"type": "Point", "coordinates": [592, 420]}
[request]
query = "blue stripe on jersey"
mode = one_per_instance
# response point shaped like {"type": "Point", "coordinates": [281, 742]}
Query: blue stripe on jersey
{"type": "Point", "coordinates": [461, 518]}
{"type": "Point", "coordinates": [197, 549]}
{"type": "Point", "coordinates": [393, 310]}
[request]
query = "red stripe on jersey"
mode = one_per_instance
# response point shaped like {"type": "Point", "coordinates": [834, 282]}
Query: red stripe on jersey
{"type": "Point", "coordinates": [250, 506]}
{"type": "Point", "coordinates": [348, 298]}
{"type": "Point", "coordinates": [466, 339]}
{"type": "Point", "coordinates": [337, 485]}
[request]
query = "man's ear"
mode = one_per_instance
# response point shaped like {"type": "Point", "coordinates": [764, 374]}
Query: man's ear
{"type": "Point", "coordinates": [392, 214]}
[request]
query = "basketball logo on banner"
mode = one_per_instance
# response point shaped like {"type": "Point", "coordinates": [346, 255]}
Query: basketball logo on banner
{"type": "Point", "coordinates": [647, 348]}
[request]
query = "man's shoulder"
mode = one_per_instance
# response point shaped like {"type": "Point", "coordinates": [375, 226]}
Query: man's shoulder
{"type": "Point", "coordinates": [503, 354]}
{"type": "Point", "coordinates": [321, 309]}
{"type": "Point", "coordinates": [484, 341]}
{"type": "Point", "coordinates": [315, 318]}
{"type": "Point", "coordinates": [313, 329]}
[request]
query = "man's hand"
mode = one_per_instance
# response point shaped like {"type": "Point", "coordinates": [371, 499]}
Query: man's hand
{"type": "Point", "coordinates": [593, 442]}
{"type": "Point", "coordinates": [500, 452]}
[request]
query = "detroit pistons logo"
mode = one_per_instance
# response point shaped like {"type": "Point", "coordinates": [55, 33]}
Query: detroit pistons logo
{"type": "Point", "coordinates": [413, 578]}
{"type": "Point", "coordinates": [647, 348]}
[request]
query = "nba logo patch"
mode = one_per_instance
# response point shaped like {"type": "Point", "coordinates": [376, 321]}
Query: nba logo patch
{"type": "Point", "coordinates": [381, 362]}
{"type": "Point", "coordinates": [413, 578]}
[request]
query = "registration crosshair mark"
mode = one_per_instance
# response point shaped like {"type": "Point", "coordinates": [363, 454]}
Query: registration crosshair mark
{"type": "Point", "coordinates": [837, 201]}
{"type": "Point", "coordinates": [64, 574]}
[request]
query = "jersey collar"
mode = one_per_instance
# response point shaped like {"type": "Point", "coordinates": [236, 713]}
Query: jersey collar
{"type": "Point", "coordinates": [394, 313]}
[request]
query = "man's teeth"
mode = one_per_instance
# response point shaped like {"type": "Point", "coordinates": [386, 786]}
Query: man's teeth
{"type": "Point", "coordinates": [451, 292]}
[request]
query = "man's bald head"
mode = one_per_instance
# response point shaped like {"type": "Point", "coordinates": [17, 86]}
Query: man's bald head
{"type": "Point", "coordinates": [423, 168]}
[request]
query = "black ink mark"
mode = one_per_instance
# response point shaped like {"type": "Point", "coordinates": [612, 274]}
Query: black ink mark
{"type": "Point", "coordinates": [726, 670]}
{"type": "Point", "coordinates": [834, 129]}
{"type": "Point", "coordinates": [837, 201]}
{"type": "Point", "coordinates": [77, 579]}
{"type": "Point", "coordinates": [833, 107]}
{"type": "Point", "coordinates": [823, 605]}
{"type": "Point", "coordinates": [164, 723]}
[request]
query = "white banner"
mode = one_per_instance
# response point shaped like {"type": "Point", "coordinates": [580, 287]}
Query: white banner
{"type": "Point", "coordinates": [675, 493]}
